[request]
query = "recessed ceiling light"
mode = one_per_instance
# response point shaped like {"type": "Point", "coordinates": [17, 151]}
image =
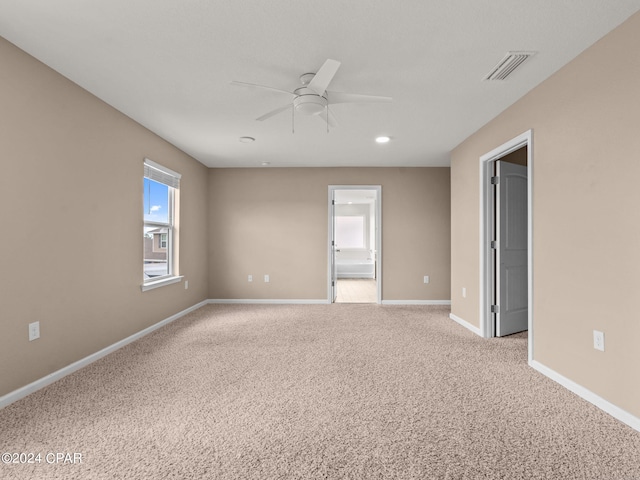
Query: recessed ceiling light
{"type": "Point", "coordinates": [265, 164]}
{"type": "Point", "coordinates": [247, 139]}
{"type": "Point", "coordinates": [382, 139]}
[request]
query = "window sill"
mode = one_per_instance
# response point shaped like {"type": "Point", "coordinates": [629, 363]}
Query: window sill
{"type": "Point", "coordinates": [160, 283]}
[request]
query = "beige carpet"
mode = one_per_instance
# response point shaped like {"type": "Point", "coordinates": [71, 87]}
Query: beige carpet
{"type": "Point", "coordinates": [316, 392]}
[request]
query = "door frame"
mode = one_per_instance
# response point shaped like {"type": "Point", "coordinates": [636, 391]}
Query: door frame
{"type": "Point", "coordinates": [378, 216]}
{"type": "Point", "coordinates": [487, 214]}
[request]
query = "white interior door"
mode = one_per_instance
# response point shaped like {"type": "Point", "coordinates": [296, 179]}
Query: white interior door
{"type": "Point", "coordinates": [511, 274]}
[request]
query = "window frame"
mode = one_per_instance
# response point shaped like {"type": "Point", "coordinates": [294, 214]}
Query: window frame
{"type": "Point", "coordinates": [160, 174]}
{"type": "Point", "coordinates": [365, 242]}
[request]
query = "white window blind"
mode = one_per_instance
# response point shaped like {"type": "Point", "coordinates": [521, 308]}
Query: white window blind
{"type": "Point", "coordinates": [161, 174]}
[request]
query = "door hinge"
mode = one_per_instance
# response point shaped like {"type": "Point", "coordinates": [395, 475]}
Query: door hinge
{"type": "Point", "coordinates": [494, 244]}
{"type": "Point", "coordinates": [333, 284]}
{"type": "Point", "coordinates": [333, 202]}
{"type": "Point", "coordinates": [495, 180]}
{"type": "Point", "coordinates": [495, 309]}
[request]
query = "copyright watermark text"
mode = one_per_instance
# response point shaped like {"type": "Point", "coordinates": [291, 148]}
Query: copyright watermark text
{"type": "Point", "coordinates": [60, 458]}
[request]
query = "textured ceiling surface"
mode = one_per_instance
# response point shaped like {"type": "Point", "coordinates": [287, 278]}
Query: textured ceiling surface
{"type": "Point", "coordinates": [169, 64]}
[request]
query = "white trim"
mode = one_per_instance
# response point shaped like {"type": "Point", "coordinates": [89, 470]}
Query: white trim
{"type": "Point", "coordinates": [416, 302]}
{"type": "Point", "coordinates": [586, 394]}
{"type": "Point", "coordinates": [271, 301]}
{"type": "Point", "coordinates": [63, 372]}
{"type": "Point", "coordinates": [161, 283]}
{"type": "Point", "coordinates": [522, 140]}
{"type": "Point", "coordinates": [466, 324]}
{"type": "Point", "coordinates": [378, 203]}
{"type": "Point", "coordinates": [276, 301]}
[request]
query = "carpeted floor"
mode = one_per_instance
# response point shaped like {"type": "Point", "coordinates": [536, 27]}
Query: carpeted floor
{"type": "Point", "coordinates": [315, 392]}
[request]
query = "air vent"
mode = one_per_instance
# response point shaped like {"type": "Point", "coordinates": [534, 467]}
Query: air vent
{"type": "Point", "coordinates": [508, 65]}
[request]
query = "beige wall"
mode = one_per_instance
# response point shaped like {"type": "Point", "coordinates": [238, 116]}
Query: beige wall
{"type": "Point", "coordinates": [586, 233]}
{"type": "Point", "coordinates": [274, 221]}
{"type": "Point", "coordinates": [71, 216]}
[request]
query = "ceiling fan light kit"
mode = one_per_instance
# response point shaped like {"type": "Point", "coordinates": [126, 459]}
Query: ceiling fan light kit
{"type": "Point", "coordinates": [308, 102]}
{"type": "Point", "coordinates": [313, 98]}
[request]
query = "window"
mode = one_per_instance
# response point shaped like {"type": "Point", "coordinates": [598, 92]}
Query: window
{"type": "Point", "coordinates": [161, 187]}
{"type": "Point", "coordinates": [350, 232]}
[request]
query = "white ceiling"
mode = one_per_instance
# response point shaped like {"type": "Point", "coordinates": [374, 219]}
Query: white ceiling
{"type": "Point", "coordinates": [168, 64]}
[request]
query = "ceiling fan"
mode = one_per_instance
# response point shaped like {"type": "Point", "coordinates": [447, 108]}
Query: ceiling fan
{"type": "Point", "coordinates": [313, 98]}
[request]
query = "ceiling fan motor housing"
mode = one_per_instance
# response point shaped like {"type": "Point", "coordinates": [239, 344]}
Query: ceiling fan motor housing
{"type": "Point", "coordinates": [306, 78]}
{"type": "Point", "coordinates": [308, 102]}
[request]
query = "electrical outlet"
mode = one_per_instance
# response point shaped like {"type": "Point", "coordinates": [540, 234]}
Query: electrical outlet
{"type": "Point", "coordinates": [186, 284]}
{"type": "Point", "coordinates": [266, 279]}
{"type": "Point", "coordinates": [598, 340]}
{"type": "Point", "coordinates": [34, 331]}
{"type": "Point", "coordinates": [464, 292]}
{"type": "Point", "coordinates": [426, 279]}
{"type": "Point", "coordinates": [250, 278]}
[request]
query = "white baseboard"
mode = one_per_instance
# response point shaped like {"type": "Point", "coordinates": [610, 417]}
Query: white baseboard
{"type": "Point", "coordinates": [63, 372]}
{"type": "Point", "coordinates": [465, 324]}
{"type": "Point", "coordinates": [613, 410]}
{"type": "Point", "coordinates": [272, 301]}
{"type": "Point", "coordinates": [416, 302]}
{"type": "Point", "coordinates": [277, 301]}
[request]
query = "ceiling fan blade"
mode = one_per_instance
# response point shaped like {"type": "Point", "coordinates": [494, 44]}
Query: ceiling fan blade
{"type": "Point", "coordinates": [274, 112]}
{"type": "Point", "coordinates": [323, 77]}
{"type": "Point", "coordinates": [264, 87]}
{"type": "Point", "coordinates": [340, 97]}
{"type": "Point", "coordinates": [330, 119]}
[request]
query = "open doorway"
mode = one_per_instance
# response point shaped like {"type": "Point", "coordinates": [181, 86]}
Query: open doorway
{"type": "Point", "coordinates": [354, 244]}
{"type": "Point", "coordinates": [506, 240]}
